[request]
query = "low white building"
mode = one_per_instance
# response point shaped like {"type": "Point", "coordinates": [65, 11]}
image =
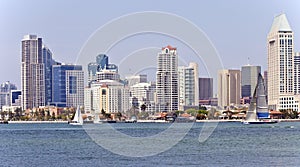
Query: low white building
{"type": "Point", "coordinates": [144, 93]}
{"type": "Point", "coordinates": [289, 103]}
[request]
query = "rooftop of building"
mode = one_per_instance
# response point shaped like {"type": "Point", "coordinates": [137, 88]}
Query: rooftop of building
{"type": "Point", "coordinates": [280, 23]}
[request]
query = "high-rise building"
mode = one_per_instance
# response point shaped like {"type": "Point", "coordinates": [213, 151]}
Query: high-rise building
{"type": "Point", "coordinates": [67, 86]}
{"type": "Point", "coordinates": [229, 87]}
{"type": "Point", "coordinates": [280, 43]}
{"type": "Point", "coordinates": [167, 79]}
{"type": "Point", "coordinates": [188, 85]}
{"type": "Point", "coordinates": [249, 79]}
{"type": "Point", "coordinates": [32, 72]}
{"type": "Point", "coordinates": [106, 74]}
{"type": "Point", "coordinates": [101, 65]}
{"type": "Point", "coordinates": [297, 73]}
{"type": "Point", "coordinates": [266, 81]}
{"type": "Point", "coordinates": [102, 61]}
{"type": "Point", "coordinates": [48, 63]}
{"type": "Point", "coordinates": [5, 93]}
{"type": "Point", "coordinates": [135, 79]}
{"type": "Point", "coordinates": [205, 88]}
{"type": "Point", "coordinates": [113, 97]}
{"type": "Point", "coordinates": [92, 70]}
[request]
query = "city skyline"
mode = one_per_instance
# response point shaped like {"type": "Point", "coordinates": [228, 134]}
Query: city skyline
{"type": "Point", "coordinates": [66, 40]}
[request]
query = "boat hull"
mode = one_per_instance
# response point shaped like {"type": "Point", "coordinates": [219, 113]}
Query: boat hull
{"type": "Point", "coordinates": [76, 123]}
{"type": "Point", "coordinates": [260, 122]}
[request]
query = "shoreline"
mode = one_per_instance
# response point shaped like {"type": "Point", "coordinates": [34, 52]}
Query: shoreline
{"type": "Point", "coordinates": [37, 122]}
{"type": "Point", "coordinates": [147, 121]}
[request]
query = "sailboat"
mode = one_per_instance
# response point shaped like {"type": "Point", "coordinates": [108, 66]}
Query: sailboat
{"type": "Point", "coordinates": [77, 120]}
{"type": "Point", "coordinates": [258, 110]}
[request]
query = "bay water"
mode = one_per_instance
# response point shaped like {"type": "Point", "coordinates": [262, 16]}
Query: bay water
{"type": "Point", "coordinates": [231, 144]}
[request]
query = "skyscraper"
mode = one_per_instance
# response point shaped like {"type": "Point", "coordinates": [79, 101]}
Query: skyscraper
{"type": "Point", "coordinates": [297, 73]}
{"type": "Point", "coordinates": [32, 72]}
{"type": "Point", "coordinates": [67, 86]}
{"type": "Point", "coordinates": [5, 93]}
{"type": "Point", "coordinates": [229, 87]}
{"type": "Point", "coordinates": [188, 85]}
{"type": "Point", "coordinates": [205, 88]}
{"type": "Point", "coordinates": [167, 79]}
{"type": "Point", "coordinates": [102, 61]}
{"type": "Point", "coordinates": [249, 79]}
{"type": "Point", "coordinates": [280, 61]}
{"type": "Point", "coordinates": [101, 65]}
{"type": "Point", "coordinates": [48, 63]}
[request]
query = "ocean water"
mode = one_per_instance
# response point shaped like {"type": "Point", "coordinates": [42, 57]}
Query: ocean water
{"type": "Point", "coordinates": [231, 144]}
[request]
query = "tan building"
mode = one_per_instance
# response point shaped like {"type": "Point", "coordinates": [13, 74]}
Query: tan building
{"type": "Point", "coordinates": [280, 43]}
{"type": "Point", "coordinates": [229, 87]}
{"type": "Point", "coordinates": [32, 72]}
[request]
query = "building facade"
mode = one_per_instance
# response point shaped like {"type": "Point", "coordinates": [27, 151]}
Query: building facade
{"type": "Point", "coordinates": [5, 93]}
{"type": "Point", "coordinates": [32, 72]}
{"type": "Point", "coordinates": [205, 88]}
{"type": "Point", "coordinates": [249, 79]}
{"type": "Point", "coordinates": [280, 42]}
{"type": "Point", "coordinates": [143, 94]}
{"type": "Point", "coordinates": [188, 86]}
{"type": "Point", "coordinates": [113, 97]}
{"type": "Point", "coordinates": [167, 79]}
{"type": "Point", "coordinates": [297, 73]}
{"type": "Point", "coordinates": [67, 86]}
{"type": "Point", "coordinates": [135, 79]}
{"type": "Point", "coordinates": [229, 87]}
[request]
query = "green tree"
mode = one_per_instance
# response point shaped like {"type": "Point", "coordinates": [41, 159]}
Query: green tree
{"type": "Point", "coordinates": [192, 112]}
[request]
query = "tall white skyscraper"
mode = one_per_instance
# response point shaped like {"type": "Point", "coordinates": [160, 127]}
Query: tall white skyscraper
{"type": "Point", "coordinates": [249, 79]}
{"type": "Point", "coordinates": [280, 61]}
{"type": "Point", "coordinates": [229, 87]}
{"type": "Point", "coordinates": [167, 79]}
{"type": "Point", "coordinates": [32, 72]}
{"type": "Point", "coordinates": [188, 85]}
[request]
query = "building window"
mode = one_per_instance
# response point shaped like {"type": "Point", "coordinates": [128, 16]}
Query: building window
{"type": "Point", "coordinates": [72, 84]}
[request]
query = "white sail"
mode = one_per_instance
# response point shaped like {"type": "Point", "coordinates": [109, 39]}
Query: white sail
{"type": "Point", "coordinates": [251, 113]}
{"type": "Point", "coordinates": [261, 103]}
{"type": "Point", "coordinates": [258, 109]}
{"type": "Point", "coordinates": [77, 120]}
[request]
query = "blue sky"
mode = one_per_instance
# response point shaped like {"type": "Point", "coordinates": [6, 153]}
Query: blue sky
{"type": "Point", "coordinates": [238, 29]}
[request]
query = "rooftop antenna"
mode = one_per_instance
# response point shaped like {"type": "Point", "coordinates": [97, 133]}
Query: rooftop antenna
{"type": "Point", "coordinates": [248, 60]}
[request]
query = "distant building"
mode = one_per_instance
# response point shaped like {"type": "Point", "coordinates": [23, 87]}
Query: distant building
{"type": "Point", "coordinates": [15, 97]}
{"type": "Point", "coordinates": [48, 63]}
{"type": "Point", "coordinates": [297, 73]}
{"type": "Point", "coordinates": [101, 65]}
{"type": "Point", "coordinates": [92, 70]}
{"type": "Point", "coordinates": [143, 93]}
{"type": "Point", "coordinates": [229, 87]}
{"type": "Point", "coordinates": [135, 79]}
{"type": "Point", "coordinates": [280, 62]}
{"type": "Point", "coordinates": [167, 79]}
{"type": "Point", "coordinates": [205, 88]}
{"type": "Point", "coordinates": [5, 93]}
{"type": "Point", "coordinates": [249, 79]}
{"type": "Point", "coordinates": [102, 61]}
{"type": "Point", "coordinates": [32, 72]}
{"type": "Point", "coordinates": [113, 97]}
{"type": "Point", "coordinates": [68, 86]}
{"type": "Point", "coordinates": [188, 86]}
{"type": "Point", "coordinates": [266, 81]}
{"type": "Point", "coordinates": [107, 75]}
